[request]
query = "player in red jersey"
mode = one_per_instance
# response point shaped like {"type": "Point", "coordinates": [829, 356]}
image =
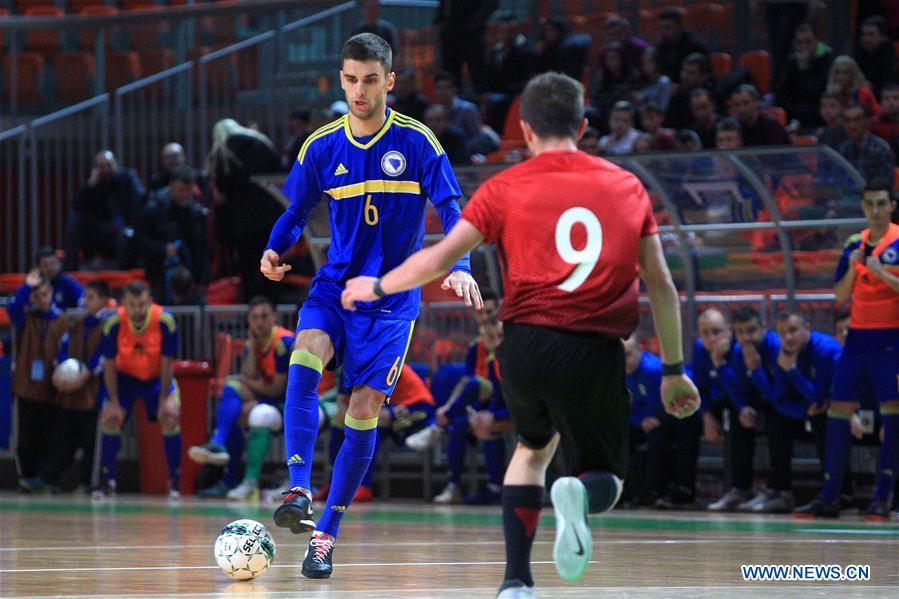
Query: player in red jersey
{"type": "Point", "coordinates": [573, 232]}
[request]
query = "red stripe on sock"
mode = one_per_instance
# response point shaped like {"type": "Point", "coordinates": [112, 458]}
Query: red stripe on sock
{"type": "Point", "coordinates": [529, 518]}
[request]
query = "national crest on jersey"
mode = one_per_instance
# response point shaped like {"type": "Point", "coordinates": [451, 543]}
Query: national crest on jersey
{"type": "Point", "coordinates": [377, 188]}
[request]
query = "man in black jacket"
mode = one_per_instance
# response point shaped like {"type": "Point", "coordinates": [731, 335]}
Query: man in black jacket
{"type": "Point", "coordinates": [676, 43]}
{"type": "Point", "coordinates": [758, 129]}
{"type": "Point", "coordinates": [171, 232]}
{"type": "Point", "coordinates": [876, 55]}
{"type": "Point", "coordinates": [805, 77]}
{"type": "Point", "coordinates": [102, 212]}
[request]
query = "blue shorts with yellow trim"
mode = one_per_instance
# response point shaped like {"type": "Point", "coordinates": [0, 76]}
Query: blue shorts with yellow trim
{"type": "Point", "coordinates": [131, 389]}
{"type": "Point", "coordinates": [371, 350]}
{"type": "Point", "coordinates": [869, 362]}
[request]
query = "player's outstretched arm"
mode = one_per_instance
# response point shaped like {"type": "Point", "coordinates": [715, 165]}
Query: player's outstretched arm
{"type": "Point", "coordinates": [419, 268]}
{"type": "Point", "coordinates": [679, 395]}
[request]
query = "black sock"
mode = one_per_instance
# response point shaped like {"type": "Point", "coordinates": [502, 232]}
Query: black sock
{"type": "Point", "coordinates": [602, 490]}
{"type": "Point", "coordinates": [521, 513]}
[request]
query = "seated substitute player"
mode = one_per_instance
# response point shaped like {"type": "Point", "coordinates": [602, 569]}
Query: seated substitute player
{"type": "Point", "coordinates": [475, 407]}
{"type": "Point", "coordinates": [139, 342]}
{"type": "Point", "coordinates": [252, 397]}
{"type": "Point", "coordinates": [868, 273]}
{"type": "Point", "coordinates": [564, 315]}
{"type": "Point", "coordinates": [643, 376]}
{"type": "Point", "coordinates": [378, 168]}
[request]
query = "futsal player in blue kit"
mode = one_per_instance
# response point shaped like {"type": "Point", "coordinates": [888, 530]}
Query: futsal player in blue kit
{"type": "Point", "coordinates": [378, 168]}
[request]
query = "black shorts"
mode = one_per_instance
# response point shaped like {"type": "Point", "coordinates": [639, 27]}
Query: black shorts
{"type": "Point", "coordinates": [570, 383]}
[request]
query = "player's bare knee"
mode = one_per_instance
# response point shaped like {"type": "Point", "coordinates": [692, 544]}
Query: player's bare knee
{"type": "Point", "coordinates": [316, 342]}
{"type": "Point", "coordinates": [169, 421]}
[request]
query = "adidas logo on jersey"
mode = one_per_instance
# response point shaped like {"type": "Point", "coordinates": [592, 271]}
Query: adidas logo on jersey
{"type": "Point", "coordinates": [341, 170]}
{"type": "Point", "coordinates": [295, 459]}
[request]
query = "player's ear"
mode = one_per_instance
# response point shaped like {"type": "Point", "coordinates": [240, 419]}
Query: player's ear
{"type": "Point", "coordinates": [581, 129]}
{"type": "Point", "coordinates": [526, 131]}
{"type": "Point", "coordinates": [391, 80]}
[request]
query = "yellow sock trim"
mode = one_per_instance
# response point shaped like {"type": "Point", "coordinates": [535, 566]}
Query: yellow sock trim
{"type": "Point", "coordinates": [307, 359]}
{"type": "Point", "coordinates": [111, 431]}
{"type": "Point", "coordinates": [361, 425]}
{"type": "Point", "coordinates": [172, 433]}
{"type": "Point", "coordinates": [889, 410]}
{"type": "Point", "coordinates": [838, 415]}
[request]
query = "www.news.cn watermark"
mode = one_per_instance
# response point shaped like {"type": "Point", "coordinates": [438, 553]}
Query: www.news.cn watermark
{"type": "Point", "coordinates": [805, 572]}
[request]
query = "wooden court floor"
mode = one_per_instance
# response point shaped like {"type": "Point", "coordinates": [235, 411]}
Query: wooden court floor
{"type": "Point", "coordinates": [140, 547]}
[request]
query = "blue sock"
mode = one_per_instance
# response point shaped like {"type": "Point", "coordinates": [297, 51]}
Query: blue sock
{"type": "Point", "coordinates": [335, 440]}
{"type": "Point", "coordinates": [368, 479]}
{"type": "Point", "coordinates": [301, 415]}
{"type": "Point", "coordinates": [494, 456]}
{"type": "Point", "coordinates": [360, 437]}
{"type": "Point", "coordinates": [836, 455]}
{"type": "Point", "coordinates": [456, 448]}
{"type": "Point", "coordinates": [235, 446]}
{"type": "Point", "coordinates": [109, 452]}
{"type": "Point", "coordinates": [171, 442]}
{"type": "Point", "coordinates": [227, 414]}
{"type": "Point", "coordinates": [889, 456]}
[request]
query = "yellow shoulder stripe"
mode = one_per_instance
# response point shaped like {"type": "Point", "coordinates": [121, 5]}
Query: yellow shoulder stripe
{"type": "Point", "coordinates": [409, 123]}
{"type": "Point", "coordinates": [280, 348]}
{"type": "Point", "coordinates": [169, 321]}
{"type": "Point", "coordinates": [318, 134]}
{"type": "Point", "coordinates": [857, 237]}
{"type": "Point", "coordinates": [374, 186]}
{"type": "Point", "coordinates": [109, 323]}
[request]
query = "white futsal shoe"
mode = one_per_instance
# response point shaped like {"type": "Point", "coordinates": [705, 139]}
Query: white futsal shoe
{"type": "Point", "coordinates": [574, 543]}
{"type": "Point", "coordinates": [517, 592]}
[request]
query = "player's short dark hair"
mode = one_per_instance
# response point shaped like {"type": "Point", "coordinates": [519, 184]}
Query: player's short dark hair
{"type": "Point", "coordinates": [747, 88]}
{"type": "Point", "coordinates": [672, 14]}
{"type": "Point", "coordinates": [185, 174]}
{"type": "Point", "coordinates": [688, 136]}
{"type": "Point", "coordinates": [841, 315]}
{"type": "Point", "coordinates": [45, 251]}
{"type": "Point", "coordinates": [101, 288]}
{"type": "Point", "coordinates": [182, 280]}
{"type": "Point", "coordinates": [788, 313]}
{"type": "Point", "coordinates": [700, 60]}
{"type": "Point", "coordinates": [879, 22]}
{"type": "Point", "coordinates": [367, 46]}
{"type": "Point", "coordinates": [747, 314]}
{"type": "Point", "coordinates": [487, 293]}
{"type": "Point", "coordinates": [729, 124]}
{"type": "Point", "coordinates": [260, 300]}
{"type": "Point", "coordinates": [446, 76]}
{"type": "Point", "coordinates": [553, 105]}
{"type": "Point", "coordinates": [806, 28]}
{"type": "Point", "coordinates": [136, 288]}
{"type": "Point", "coordinates": [880, 184]}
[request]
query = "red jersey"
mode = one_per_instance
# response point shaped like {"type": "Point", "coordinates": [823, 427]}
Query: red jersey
{"type": "Point", "coordinates": [567, 228]}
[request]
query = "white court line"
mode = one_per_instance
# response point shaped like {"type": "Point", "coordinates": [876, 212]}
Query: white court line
{"type": "Point", "coordinates": [600, 542]}
{"type": "Point", "coordinates": [378, 565]}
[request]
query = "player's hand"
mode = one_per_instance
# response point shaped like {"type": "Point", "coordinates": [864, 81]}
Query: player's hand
{"type": "Point", "coordinates": [856, 428]}
{"type": "Point", "coordinates": [168, 409]}
{"type": "Point", "coordinates": [358, 289]}
{"type": "Point", "coordinates": [751, 357]}
{"type": "Point", "coordinates": [875, 265]}
{"type": "Point", "coordinates": [816, 409]}
{"type": "Point", "coordinates": [711, 428]}
{"type": "Point", "coordinates": [441, 417]}
{"type": "Point", "coordinates": [269, 266]}
{"type": "Point", "coordinates": [465, 287]}
{"type": "Point", "coordinates": [112, 415]}
{"type": "Point", "coordinates": [856, 256]}
{"type": "Point", "coordinates": [679, 396]}
{"type": "Point", "coordinates": [786, 360]}
{"type": "Point", "coordinates": [748, 417]}
{"type": "Point", "coordinates": [650, 423]}
{"type": "Point", "coordinates": [481, 424]}
{"type": "Point", "coordinates": [34, 278]}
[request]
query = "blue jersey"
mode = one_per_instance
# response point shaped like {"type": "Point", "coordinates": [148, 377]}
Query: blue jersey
{"type": "Point", "coordinates": [751, 388]}
{"type": "Point", "coordinates": [645, 385]}
{"type": "Point", "coordinates": [377, 188]}
{"type": "Point", "coordinates": [810, 381]}
{"type": "Point", "coordinates": [705, 377]}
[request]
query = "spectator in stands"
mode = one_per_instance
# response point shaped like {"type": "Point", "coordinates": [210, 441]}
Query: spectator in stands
{"type": "Point", "coordinates": [452, 138]}
{"type": "Point", "coordinates": [696, 73]}
{"type": "Point", "coordinates": [618, 30]}
{"type": "Point", "coordinates": [782, 17]}
{"type": "Point", "coordinates": [103, 211]}
{"type": "Point", "coordinates": [868, 153]}
{"type": "Point", "coordinates": [183, 291]}
{"type": "Point", "coordinates": [849, 83]}
{"type": "Point", "coordinates": [509, 60]}
{"type": "Point", "coordinates": [589, 141]}
{"type": "Point", "coordinates": [728, 134]}
{"type": "Point", "coordinates": [75, 423]}
{"type": "Point", "coordinates": [245, 211]}
{"type": "Point", "coordinates": [805, 77]}
{"type": "Point", "coordinates": [803, 376]}
{"type": "Point", "coordinates": [643, 375]}
{"type": "Point", "coordinates": [612, 81]}
{"type": "Point", "coordinates": [39, 328]}
{"type": "Point", "coordinates": [622, 134]}
{"type": "Point", "coordinates": [705, 116]}
{"type": "Point", "coordinates": [171, 232]}
{"type": "Point", "coordinates": [462, 24]}
{"type": "Point", "coordinates": [886, 124]}
{"type": "Point", "coordinates": [649, 84]}
{"type": "Point", "coordinates": [373, 23]}
{"type": "Point", "coordinates": [407, 99]}
{"type": "Point", "coordinates": [651, 117]}
{"type": "Point", "coordinates": [475, 406]}
{"type": "Point", "coordinates": [833, 133]}
{"type": "Point", "coordinates": [299, 132]}
{"type": "Point", "coordinates": [676, 43]}
{"type": "Point", "coordinates": [462, 113]}
{"type": "Point", "coordinates": [758, 128]}
{"type": "Point", "coordinates": [876, 54]}
{"type": "Point", "coordinates": [644, 144]}
{"type": "Point", "coordinates": [687, 140]}
{"type": "Point", "coordinates": [67, 292]}
{"type": "Point", "coordinates": [171, 157]}
{"type": "Point", "coordinates": [559, 50]}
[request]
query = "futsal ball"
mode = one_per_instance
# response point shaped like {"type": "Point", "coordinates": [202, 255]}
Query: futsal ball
{"type": "Point", "coordinates": [244, 549]}
{"type": "Point", "coordinates": [68, 370]}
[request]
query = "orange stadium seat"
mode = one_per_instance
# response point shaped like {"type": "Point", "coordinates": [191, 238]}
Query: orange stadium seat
{"type": "Point", "coordinates": [87, 38]}
{"type": "Point", "coordinates": [511, 128]}
{"type": "Point", "coordinates": [45, 41]}
{"type": "Point", "coordinates": [30, 68]}
{"type": "Point", "coordinates": [76, 6]}
{"type": "Point", "coordinates": [136, 4]}
{"type": "Point", "coordinates": [722, 63]}
{"type": "Point", "coordinates": [122, 68]}
{"type": "Point", "coordinates": [758, 63]}
{"type": "Point", "coordinates": [805, 140]}
{"type": "Point", "coordinates": [777, 113]}
{"type": "Point", "coordinates": [24, 5]}
{"type": "Point", "coordinates": [75, 74]}
{"type": "Point", "coordinates": [143, 36]}
{"type": "Point", "coordinates": [648, 25]}
{"type": "Point", "coordinates": [706, 20]}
